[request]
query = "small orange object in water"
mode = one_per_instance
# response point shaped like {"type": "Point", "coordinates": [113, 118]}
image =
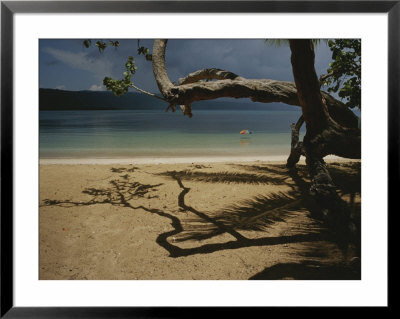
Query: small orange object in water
{"type": "Point", "coordinates": [245, 132]}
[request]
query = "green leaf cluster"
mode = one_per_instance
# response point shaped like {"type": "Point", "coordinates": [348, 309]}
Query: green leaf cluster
{"type": "Point", "coordinates": [87, 43]}
{"type": "Point", "coordinates": [101, 45]}
{"type": "Point", "coordinates": [120, 87]}
{"type": "Point", "coordinates": [344, 72]}
{"type": "Point", "coordinates": [145, 51]}
{"type": "Point", "coordinates": [114, 44]}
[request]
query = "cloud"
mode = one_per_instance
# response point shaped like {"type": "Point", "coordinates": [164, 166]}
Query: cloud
{"type": "Point", "coordinates": [95, 87]}
{"type": "Point", "coordinates": [99, 67]}
{"type": "Point", "coordinates": [61, 87]}
{"type": "Point", "coordinates": [250, 58]}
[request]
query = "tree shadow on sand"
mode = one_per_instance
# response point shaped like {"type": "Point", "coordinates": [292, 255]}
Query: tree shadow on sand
{"type": "Point", "coordinates": [347, 177]}
{"type": "Point", "coordinates": [258, 213]}
{"type": "Point", "coordinates": [226, 177]}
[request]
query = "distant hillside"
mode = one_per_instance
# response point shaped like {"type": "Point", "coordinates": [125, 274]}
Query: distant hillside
{"type": "Point", "coordinates": [56, 100]}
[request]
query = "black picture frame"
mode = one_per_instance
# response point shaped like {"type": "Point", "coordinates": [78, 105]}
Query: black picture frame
{"type": "Point", "coordinates": [9, 8]}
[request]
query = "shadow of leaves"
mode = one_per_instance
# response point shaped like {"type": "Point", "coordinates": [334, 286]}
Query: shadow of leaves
{"type": "Point", "coordinates": [225, 177]}
{"type": "Point", "coordinates": [257, 214]}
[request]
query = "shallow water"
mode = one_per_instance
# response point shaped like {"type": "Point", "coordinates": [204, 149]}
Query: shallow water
{"type": "Point", "coordinates": [152, 133]}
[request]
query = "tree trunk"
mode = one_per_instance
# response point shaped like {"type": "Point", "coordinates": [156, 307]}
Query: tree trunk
{"type": "Point", "coordinates": [296, 146]}
{"type": "Point", "coordinates": [323, 135]}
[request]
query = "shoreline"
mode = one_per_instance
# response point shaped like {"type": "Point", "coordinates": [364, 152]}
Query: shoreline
{"type": "Point", "coordinates": [177, 160]}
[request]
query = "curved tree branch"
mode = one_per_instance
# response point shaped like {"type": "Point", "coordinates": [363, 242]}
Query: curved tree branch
{"type": "Point", "coordinates": [147, 93]}
{"type": "Point", "coordinates": [159, 70]}
{"type": "Point", "coordinates": [228, 84]}
{"type": "Point", "coordinates": [265, 91]}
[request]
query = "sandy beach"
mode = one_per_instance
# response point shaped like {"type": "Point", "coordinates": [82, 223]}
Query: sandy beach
{"type": "Point", "coordinates": [189, 219]}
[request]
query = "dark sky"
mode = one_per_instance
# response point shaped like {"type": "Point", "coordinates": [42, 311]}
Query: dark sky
{"type": "Point", "coordinates": [68, 65]}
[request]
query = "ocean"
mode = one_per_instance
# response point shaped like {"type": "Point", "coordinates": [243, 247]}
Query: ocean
{"type": "Point", "coordinates": [155, 133]}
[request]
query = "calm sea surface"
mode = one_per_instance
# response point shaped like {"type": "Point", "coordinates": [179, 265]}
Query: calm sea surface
{"type": "Point", "coordinates": [154, 133]}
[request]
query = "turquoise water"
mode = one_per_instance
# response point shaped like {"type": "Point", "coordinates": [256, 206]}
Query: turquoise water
{"type": "Point", "coordinates": [154, 133]}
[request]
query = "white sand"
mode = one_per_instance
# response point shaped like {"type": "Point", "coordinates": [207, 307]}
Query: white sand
{"type": "Point", "coordinates": [210, 221]}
